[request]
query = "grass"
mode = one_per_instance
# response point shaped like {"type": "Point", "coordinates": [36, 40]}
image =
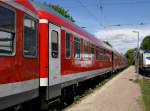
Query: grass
{"type": "Point", "coordinates": [145, 88]}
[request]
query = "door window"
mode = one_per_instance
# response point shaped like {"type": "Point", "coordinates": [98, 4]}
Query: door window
{"type": "Point", "coordinates": [54, 44]}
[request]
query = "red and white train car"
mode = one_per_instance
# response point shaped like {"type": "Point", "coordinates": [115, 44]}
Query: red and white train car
{"type": "Point", "coordinates": [68, 54]}
{"type": "Point", "coordinates": [19, 52]}
{"type": "Point", "coordinates": [42, 54]}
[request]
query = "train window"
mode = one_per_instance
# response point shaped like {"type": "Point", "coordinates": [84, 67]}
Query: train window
{"type": "Point", "coordinates": [30, 33]}
{"type": "Point", "coordinates": [101, 54]}
{"type": "Point", "coordinates": [110, 56]}
{"type": "Point", "coordinates": [92, 51]}
{"type": "Point", "coordinates": [67, 45]}
{"type": "Point", "coordinates": [54, 43]}
{"type": "Point", "coordinates": [77, 47]}
{"type": "Point", "coordinates": [86, 53]}
{"type": "Point", "coordinates": [97, 53]}
{"type": "Point", "coordinates": [7, 31]}
{"type": "Point", "coordinates": [107, 56]}
{"type": "Point", "coordinates": [6, 43]}
{"type": "Point", "coordinates": [7, 18]}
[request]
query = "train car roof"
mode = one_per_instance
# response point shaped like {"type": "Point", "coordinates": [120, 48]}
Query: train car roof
{"type": "Point", "coordinates": [23, 5]}
{"type": "Point", "coordinates": [27, 4]}
{"type": "Point", "coordinates": [45, 12]}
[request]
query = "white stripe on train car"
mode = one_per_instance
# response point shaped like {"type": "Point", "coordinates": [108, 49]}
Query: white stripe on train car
{"type": "Point", "coordinates": [76, 76]}
{"type": "Point", "coordinates": [45, 21]}
{"type": "Point", "coordinates": [18, 87]}
{"type": "Point", "coordinates": [43, 81]}
{"type": "Point", "coordinates": [85, 75]}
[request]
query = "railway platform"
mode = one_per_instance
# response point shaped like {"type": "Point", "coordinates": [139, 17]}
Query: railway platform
{"type": "Point", "coordinates": [121, 93]}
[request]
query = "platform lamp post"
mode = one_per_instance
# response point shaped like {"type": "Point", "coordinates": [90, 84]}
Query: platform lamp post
{"type": "Point", "coordinates": [137, 53]}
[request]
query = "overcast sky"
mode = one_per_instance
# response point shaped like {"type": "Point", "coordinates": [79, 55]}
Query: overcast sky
{"type": "Point", "coordinates": [98, 16]}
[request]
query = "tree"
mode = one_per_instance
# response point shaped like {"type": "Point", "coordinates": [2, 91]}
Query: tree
{"type": "Point", "coordinates": [61, 11]}
{"type": "Point", "coordinates": [145, 45]}
{"type": "Point", "coordinates": [130, 55]}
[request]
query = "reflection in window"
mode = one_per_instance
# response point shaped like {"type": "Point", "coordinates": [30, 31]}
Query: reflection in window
{"type": "Point", "coordinates": [77, 46]}
{"type": "Point", "coordinates": [6, 43]}
{"type": "Point", "coordinates": [7, 31]}
{"type": "Point", "coordinates": [7, 19]}
{"type": "Point", "coordinates": [67, 45]}
{"type": "Point", "coordinates": [54, 44]}
{"type": "Point", "coordinates": [30, 34]}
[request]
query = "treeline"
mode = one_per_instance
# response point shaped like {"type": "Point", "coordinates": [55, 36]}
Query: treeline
{"type": "Point", "coordinates": [130, 54]}
{"type": "Point", "coordinates": [60, 10]}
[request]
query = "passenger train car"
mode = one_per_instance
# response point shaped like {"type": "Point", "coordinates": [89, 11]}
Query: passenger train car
{"type": "Point", "coordinates": [19, 52]}
{"type": "Point", "coordinates": [43, 56]}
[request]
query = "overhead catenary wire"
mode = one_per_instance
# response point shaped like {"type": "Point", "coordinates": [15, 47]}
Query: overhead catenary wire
{"type": "Point", "coordinates": [90, 13]}
{"type": "Point", "coordinates": [100, 7]}
{"type": "Point", "coordinates": [133, 2]}
{"type": "Point", "coordinates": [101, 10]}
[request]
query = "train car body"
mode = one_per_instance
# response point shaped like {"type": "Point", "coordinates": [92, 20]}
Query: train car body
{"type": "Point", "coordinates": [19, 56]}
{"type": "Point", "coordinates": [68, 54]}
{"type": "Point", "coordinates": [144, 61]}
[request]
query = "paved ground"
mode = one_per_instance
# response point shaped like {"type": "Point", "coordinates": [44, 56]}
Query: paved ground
{"type": "Point", "coordinates": [119, 94]}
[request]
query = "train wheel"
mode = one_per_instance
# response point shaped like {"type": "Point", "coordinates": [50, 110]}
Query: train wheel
{"type": "Point", "coordinates": [18, 108]}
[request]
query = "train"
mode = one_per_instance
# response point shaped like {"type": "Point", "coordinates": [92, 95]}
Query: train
{"type": "Point", "coordinates": [144, 61]}
{"type": "Point", "coordinates": [43, 56]}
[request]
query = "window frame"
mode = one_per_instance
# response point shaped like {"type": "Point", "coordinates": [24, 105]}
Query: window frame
{"type": "Point", "coordinates": [86, 43]}
{"type": "Point", "coordinates": [101, 54]}
{"type": "Point", "coordinates": [79, 46]}
{"type": "Point", "coordinates": [104, 55]}
{"type": "Point", "coordinates": [28, 56]}
{"type": "Point", "coordinates": [107, 54]}
{"type": "Point", "coordinates": [92, 47]}
{"type": "Point", "coordinates": [9, 31]}
{"type": "Point", "coordinates": [97, 53]}
{"type": "Point", "coordinates": [53, 30]}
{"type": "Point", "coordinates": [66, 44]}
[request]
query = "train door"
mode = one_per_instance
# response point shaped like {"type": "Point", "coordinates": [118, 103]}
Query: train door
{"type": "Point", "coordinates": [54, 61]}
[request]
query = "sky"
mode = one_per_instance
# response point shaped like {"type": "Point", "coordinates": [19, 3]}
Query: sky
{"type": "Point", "coordinates": [100, 18]}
